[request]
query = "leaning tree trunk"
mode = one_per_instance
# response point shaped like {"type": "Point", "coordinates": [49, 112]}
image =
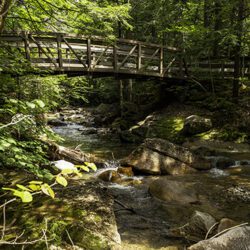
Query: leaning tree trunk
{"type": "Point", "coordinates": [4, 8]}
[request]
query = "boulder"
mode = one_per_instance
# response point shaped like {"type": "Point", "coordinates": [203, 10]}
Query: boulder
{"type": "Point", "coordinates": [180, 192]}
{"type": "Point", "coordinates": [224, 162]}
{"type": "Point", "coordinates": [57, 123]}
{"type": "Point", "coordinates": [226, 223]}
{"type": "Point", "coordinates": [237, 238]}
{"type": "Point", "coordinates": [196, 229]}
{"type": "Point", "coordinates": [127, 171]}
{"type": "Point", "coordinates": [110, 176]}
{"type": "Point", "coordinates": [106, 113]}
{"type": "Point", "coordinates": [76, 118]}
{"type": "Point", "coordinates": [150, 162]}
{"type": "Point", "coordinates": [128, 137]}
{"type": "Point", "coordinates": [195, 124]}
{"type": "Point", "coordinates": [157, 156]}
{"type": "Point", "coordinates": [89, 131]}
{"type": "Point", "coordinates": [177, 152]}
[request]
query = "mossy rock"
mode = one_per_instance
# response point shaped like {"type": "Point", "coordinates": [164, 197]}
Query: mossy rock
{"type": "Point", "coordinates": [168, 128]}
{"type": "Point", "coordinates": [85, 238]}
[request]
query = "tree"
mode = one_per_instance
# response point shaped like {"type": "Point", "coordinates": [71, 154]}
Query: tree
{"type": "Point", "coordinates": [84, 16]}
{"type": "Point", "coordinates": [4, 8]}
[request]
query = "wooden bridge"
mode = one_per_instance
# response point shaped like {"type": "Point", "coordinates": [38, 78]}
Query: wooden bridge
{"type": "Point", "coordinates": [78, 55]}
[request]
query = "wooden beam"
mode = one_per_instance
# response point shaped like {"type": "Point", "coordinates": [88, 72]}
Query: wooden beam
{"type": "Point", "coordinates": [27, 46]}
{"type": "Point", "coordinates": [115, 58]}
{"type": "Point", "coordinates": [129, 54]}
{"type": "Point", "coordinates": [59, 50]}
{"type": "Point", "coordinates": [89, 53]}
{"type": "Point", "coordinates": [73, 51]}
{"type": "Point", "coordinates": [161, 58]}
{"type": "Point", "coordinates": [44, 52]}
{"type": "Point", "coordinates": [181, 66]}
{"type": "Point", "coordinates": [139, 60]}
{"type": "Point", "coordinates": [100, 57]}
{"type": "Point", "coordinates": [151, 58]}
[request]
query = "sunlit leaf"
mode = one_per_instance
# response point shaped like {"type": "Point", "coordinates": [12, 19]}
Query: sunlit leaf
{"type": "Point", "coordinates": [9, 189]}
{"type": "Point", "coordinates": [25, 196]}
{"type": "Point", "coordinates": [67, 171]}
{"type": "Point", "coordinates": [30, 105]}
{"type": "Point", "coordinates": [22, 187]}
{"type": "Point", "coordinates": [46, 189]}
{"type": "Point", "coordinates": [34, 187]}
{"type": "Point", "coordinates": [85, 168]}
{"type": "Point", "coordinates": [36, 182]}
{"type": "Point", "coordinates": [91, 165]}
{"type": "Point", "coordinates": [61, 180]}
{"type": "Point", "coordinates": [40, 103]}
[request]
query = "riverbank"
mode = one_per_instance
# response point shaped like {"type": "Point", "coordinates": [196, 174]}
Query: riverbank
{"type": "Point", "coordinates": [126, 209]}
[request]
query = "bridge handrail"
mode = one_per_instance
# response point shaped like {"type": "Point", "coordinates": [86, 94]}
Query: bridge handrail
{"type": "Point", "coordinates": [95, 38]}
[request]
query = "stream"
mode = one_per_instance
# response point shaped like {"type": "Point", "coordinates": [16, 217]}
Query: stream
{"type": "Point", "coordinates": [222, 193]}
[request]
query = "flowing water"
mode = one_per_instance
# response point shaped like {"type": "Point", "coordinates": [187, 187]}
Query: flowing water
{"type": "Point", "coordinates": [143, 221]}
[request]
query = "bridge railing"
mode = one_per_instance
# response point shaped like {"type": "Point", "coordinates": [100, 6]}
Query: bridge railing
{"type": "Point", "coordinates": [71, 53]}
{"type": "Point", "coordinates": [218, 69]}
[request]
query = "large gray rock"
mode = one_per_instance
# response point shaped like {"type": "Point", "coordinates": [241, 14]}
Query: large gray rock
{"type": "Point", "coordinates": [151, 162]}
{"type": "Point", "coordinates": [195, 124]}
{"type": "Point", "coordinates": [196, 229]}
{"type": "Point", "coordinates": [180, 192]}
{"type": "Point", "coordinates": [157, 156]}
{"type": "Point", "coordinates": [235, 239]}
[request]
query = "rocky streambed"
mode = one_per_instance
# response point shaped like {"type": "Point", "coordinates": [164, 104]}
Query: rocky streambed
{"type": "Point", "coordinates": [151, 209]}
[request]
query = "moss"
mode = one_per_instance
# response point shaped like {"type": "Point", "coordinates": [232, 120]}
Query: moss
{"type": "Point", "coordinates": [169, 128]}
{"type": "Point", "coordinates": [80, 213]}
{"type": "Point", "coordinates": [56, 229]}
{"type": "Point", "coordinates": [209, 135]}
{"type": "Point", "coordinates": [224, 134]}
{"type": "Point", "coordinates": [86, 239]}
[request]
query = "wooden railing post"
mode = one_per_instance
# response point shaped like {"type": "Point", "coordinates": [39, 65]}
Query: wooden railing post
{"type": "Point", "coordinates": [89, 53]}
{"type": "Point", "coordinates": [181, 64]}
{"type": "Point", "coordinates": [139, 57]}
{"type": "Point", "coordinates": [223, 70]}
{"type": "Point", "coordinates": [115, 58]}
{"type": "Point", "coordinates": [27, 46]}
{"type": "Point", "coordinates": [59, 51]}
{"type": "Point", "coordinates": [161, 65]}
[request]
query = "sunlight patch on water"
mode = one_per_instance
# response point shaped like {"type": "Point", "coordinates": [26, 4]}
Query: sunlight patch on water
{"type": "Point", "coordinates": [218, 172]}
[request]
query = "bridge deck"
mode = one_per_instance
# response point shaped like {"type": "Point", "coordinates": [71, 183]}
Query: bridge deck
{"type": "Point", "coordinates": [78, 55]}
{"type": "Point", "coordinates": [64, 53]}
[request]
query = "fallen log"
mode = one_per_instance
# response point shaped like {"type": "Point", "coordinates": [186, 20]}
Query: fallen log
{"type": "Point", "coordinates": [77, 157]}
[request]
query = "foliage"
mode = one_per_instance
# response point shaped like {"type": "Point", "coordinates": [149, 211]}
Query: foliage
{"type": "Point", "coordinates": [23, 102]}
{"type": "Point", "coordinates": [84, 16]}
{"type": "Point", "coordinates": [26, 192]}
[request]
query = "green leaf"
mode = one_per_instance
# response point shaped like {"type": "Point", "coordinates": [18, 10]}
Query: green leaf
{"type": "Point", "coordinates": [85, 168]}
{"type": "Point", "coordinates": [61, 180]}
{"type": "Point", "coordinates": [11, 140]}
{"type": "Point", "coordinates": [9, 189]}
{"type": "Point", "coordinates": [25, 196]}
{"type": "Point", "coordinates": [67, 171]}
{"type": "Point", "coordinates": [36, 182]}
{"type": "Point", "coordinates": [40, 103]}
{"type": "Point", "coordinates": [91, 165]}
{"type": "Point", "coordinates": [22, 187]}
{"type": "Point", "coordinates": [31, 105]}
{"type": "Point", "coordinates": [46, 189]}
{"type": "Point", "coordinates": [34, 187]}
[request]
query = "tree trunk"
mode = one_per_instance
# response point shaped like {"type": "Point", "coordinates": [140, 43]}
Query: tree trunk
{"type": "Point", "coordinates": [207, 14]}
{"type": "Point", "coordinates": [4, 7]}
{"type": "Point", "coordinates": [237, 50]}
{"type": "Point", "coordinates": [217, 26]}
